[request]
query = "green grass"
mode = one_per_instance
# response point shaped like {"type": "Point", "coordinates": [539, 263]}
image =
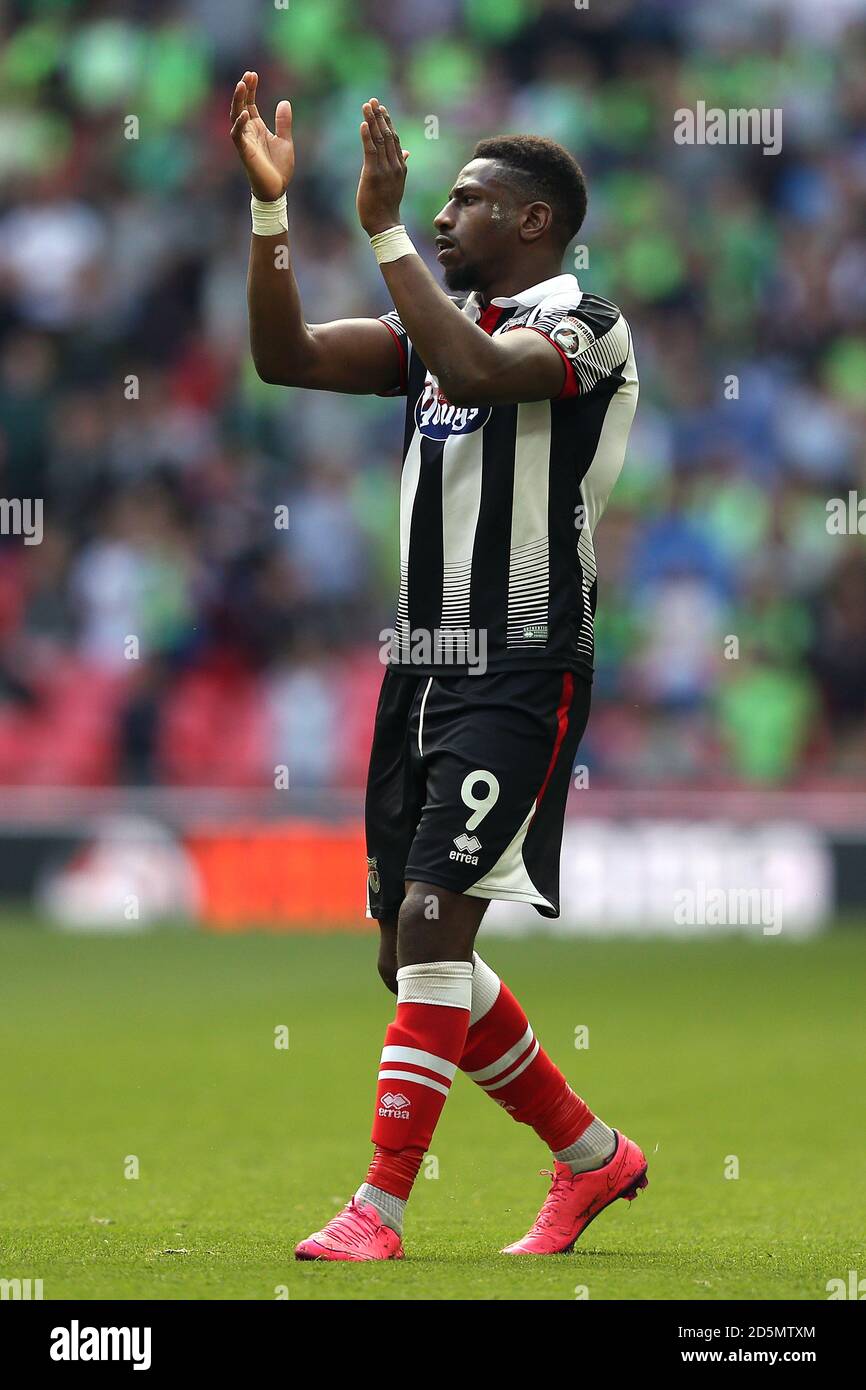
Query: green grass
{"type": "Point", "coordinates": [161, 1046]}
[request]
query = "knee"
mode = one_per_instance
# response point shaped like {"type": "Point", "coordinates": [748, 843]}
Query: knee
{"type": "Point", "coordinates": [423, 929]}
{"type": "Point", "coordinates": [388, 974]}
{"type": "Point", "coordinates": [412, 939]}
{"type": "Point", "coordinates": [435, 924]}
{"type": "Point", "coordinates": [416, 916]}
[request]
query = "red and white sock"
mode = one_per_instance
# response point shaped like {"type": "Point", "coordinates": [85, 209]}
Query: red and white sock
{"type": "Point", "coordinates": [503, 1057]}
{"type": "Point", "coordinates": [423, 1047]}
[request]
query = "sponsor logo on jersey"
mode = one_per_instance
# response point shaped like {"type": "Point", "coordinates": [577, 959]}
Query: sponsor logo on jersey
{"type": "Point", "coordinates": [394, 1106]}
{"type": "Point", "coordinates": [536, 630]}
{"type": "Point", "coordinates": [437, 418]}
{"type": "Point", "coordinates": [572, 336]}
{"type": "Point", "coordinates": [467, 848]}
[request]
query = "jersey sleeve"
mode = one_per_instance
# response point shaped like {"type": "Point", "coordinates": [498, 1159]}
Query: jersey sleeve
{"type": "Point", "coordinates": [402, 347]}
{"type": "Point", "coordinates": [593, 344]}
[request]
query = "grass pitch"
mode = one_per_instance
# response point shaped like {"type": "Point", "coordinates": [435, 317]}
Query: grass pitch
{"type": "Point", "coordinates": [161, 1048]}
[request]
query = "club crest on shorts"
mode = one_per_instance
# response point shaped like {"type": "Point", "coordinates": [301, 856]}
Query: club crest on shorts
{"type": "Point", "coordinates": [437, 418]}
{"type": "Point", "coordinates": [373, 874]}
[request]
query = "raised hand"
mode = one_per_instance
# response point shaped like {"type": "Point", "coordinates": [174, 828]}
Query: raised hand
{"type": "Point", "coordinates": [383, 174]}
{"type": "Point", "coordinates": [268, 156]}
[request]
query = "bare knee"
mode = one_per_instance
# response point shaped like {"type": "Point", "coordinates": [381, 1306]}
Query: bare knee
{"type": "Point", "coordinates": [436, 924]}
{"type": "Point", "coordinates": [388, 974]}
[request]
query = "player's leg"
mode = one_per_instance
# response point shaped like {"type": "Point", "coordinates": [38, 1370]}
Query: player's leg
{"type": "Point", "coordinates": [388, 963]}
{"type": "Point", "coordinates": [425, 957]}
{"type": "Point", "coordinates": [424, 1043]}
{"type": "Point", "coordinates": [593, 1165]}
{"type": "Point", "coordinates": [433, 1016]}
{"type": "Point", "coordinates": [506, 1060]}
{"type": "Point", "coordinates": [503, 1057]}
{"type": "Point", "coordinates": [592, 1162]}
{"type": "Point", "coordinates": [492, 749]}
{"type": "Point", "coordinates": [502, 1054]}
{"type": "Point", "coordinates": [422, 1048]}
{"type": "Point", "coordinates": [487, 747]}
{"type": "Point", "coordinates": [530, 1088]}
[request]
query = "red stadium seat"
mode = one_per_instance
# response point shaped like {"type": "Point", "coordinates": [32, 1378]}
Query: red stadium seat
{"type": "Point", "coordinates": [213, 731]}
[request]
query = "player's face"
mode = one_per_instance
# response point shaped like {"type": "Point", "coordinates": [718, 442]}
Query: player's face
{"type": "Point", "coordinates": [475, 227]}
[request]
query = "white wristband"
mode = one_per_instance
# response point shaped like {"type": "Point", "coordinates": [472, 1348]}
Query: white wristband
{"type": "Point", "coordinates": [392, 244]}
{"type": "Point", "coordinates": [269, 219]}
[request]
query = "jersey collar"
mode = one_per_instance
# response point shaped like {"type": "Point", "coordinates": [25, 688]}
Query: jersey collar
{"type": "Point", "coordinates": [531, 298]}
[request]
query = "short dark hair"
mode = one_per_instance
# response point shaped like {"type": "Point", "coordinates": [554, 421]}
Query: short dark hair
{"type": "Point", "coordinates": [540, 168]}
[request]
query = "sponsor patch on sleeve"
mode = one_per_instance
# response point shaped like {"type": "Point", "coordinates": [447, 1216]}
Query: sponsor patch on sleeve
{"type": "Point", "coordinates": [572, 336]}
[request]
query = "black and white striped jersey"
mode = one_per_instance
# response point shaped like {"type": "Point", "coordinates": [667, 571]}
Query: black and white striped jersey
{"type": "Point", "coordinates": [499, 504]}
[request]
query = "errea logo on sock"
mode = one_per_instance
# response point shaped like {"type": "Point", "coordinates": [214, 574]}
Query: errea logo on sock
{"type": "Point", "coordinates": [394, 1106]}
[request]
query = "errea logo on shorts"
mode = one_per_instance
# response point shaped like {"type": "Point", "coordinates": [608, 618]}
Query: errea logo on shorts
{"type": "Point", "coordinates": [437, 418]}
{"type": "Point", "coordinates": [394, 1106]}
{"type": "Point", "coordinates": [467, 848]}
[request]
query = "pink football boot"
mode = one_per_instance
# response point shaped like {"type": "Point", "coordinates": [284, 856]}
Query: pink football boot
{"type": "Point", "coordinates": [575, 1199]}
{"type": "Point", "coordinates": [356, 1233]}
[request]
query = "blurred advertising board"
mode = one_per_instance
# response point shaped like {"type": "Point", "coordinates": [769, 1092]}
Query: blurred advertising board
{"type": "Point", "coordinates": [682, 879]}
{"type": "Point", "coordinates": [635, 863]}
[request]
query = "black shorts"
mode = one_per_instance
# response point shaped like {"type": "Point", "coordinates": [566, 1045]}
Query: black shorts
{"type": "Point", "coordinates": [468, 782]}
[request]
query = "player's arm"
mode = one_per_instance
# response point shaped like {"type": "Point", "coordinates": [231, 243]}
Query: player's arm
{"type": "Point", "coordinates": [471, 367]}
{"type": "Point", "coordinates": [352, 355]}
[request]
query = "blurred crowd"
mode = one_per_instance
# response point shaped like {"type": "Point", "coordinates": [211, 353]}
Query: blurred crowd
{"type": "Point", "coordinates": [170, 628]}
